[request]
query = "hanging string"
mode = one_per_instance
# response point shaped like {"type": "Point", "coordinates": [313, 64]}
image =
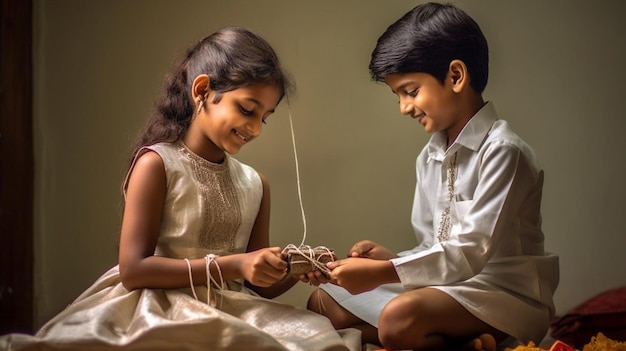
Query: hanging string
{"type": "Point", "coordinates": [295, 155]}
{"type": "Point", "coordinates": [306, 251]}
{"type": "Point", "coordinates": [210, 280]}
{"type": "Point", "coordinates": [193, 290]}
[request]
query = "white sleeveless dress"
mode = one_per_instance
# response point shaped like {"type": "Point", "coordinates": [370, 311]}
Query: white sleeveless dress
{"type": "Point", "coordinates": [209, 209]}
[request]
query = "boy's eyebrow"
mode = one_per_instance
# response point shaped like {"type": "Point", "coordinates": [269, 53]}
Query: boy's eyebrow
{"type": "Point", "coordinates": [401, 86]}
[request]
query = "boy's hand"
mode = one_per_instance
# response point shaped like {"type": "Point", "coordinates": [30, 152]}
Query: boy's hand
{"type": "Point", "coordinates": [358, 275]}
{"type": "Point", "coordinates": [370, 249]}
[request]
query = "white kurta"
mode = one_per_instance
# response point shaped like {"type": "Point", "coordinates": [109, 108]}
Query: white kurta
{"type": "Point", "coordinates": [494, 262]}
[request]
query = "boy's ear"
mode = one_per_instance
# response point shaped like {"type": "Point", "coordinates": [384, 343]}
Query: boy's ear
{"type": "Point", "coordinates": [200, 87]}
{"type": "Point", "coordinates": [458, 75]}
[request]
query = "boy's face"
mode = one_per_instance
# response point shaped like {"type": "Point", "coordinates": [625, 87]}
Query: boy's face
{"type": "Point", "coordinates": [426, 99]}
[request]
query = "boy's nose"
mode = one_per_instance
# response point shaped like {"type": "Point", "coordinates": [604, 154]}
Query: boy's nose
{"type": "Point", "coordinates": [407, 109]}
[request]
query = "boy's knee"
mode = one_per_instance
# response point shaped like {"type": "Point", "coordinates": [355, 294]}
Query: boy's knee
{"type": "Point", "coordinates": [396, 324]}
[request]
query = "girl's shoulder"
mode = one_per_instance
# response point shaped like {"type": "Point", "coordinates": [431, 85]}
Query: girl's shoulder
{"type": "Point", "coordinates": [241, 169]}
{"type": "Point", "coordinates": [235, 163]}
{"type": "Point", "coordinates": [163, 147]}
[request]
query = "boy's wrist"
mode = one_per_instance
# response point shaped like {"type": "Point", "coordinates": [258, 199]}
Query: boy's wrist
{"type": "Point", "coordinates": [388, 273]}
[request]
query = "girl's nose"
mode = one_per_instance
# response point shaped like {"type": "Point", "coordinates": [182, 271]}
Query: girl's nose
{"type": "Point", "coordinates": [255, 127]}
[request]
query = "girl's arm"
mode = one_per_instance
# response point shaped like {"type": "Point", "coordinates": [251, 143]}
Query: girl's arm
{"type": "Point", "coordinates": [141, 223]}
{"type": "Point", "coordinates": [259, 238]}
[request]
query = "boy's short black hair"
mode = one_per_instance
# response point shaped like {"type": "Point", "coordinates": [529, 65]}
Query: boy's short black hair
{"type": "Point", "coordinates": [426, 39]}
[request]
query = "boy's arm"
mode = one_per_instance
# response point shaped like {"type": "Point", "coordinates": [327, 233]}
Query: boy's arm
{"type": "Point", "coordinates": [358, 275]}
{"type": "Point", "coordinates": [505, 178]}
{"type": "Point", "coordinates": [370, 249]}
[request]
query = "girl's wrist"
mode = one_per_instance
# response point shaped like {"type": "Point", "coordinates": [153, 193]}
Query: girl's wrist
{"type": "Point", "coordinates": [231, 266]}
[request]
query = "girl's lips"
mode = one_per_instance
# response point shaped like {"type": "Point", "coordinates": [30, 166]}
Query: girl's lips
{"type": "Point", "coordinates": [241, 137]}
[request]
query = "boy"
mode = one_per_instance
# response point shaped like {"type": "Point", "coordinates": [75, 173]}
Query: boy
{"type": "Point", "coordinates": [479, 275]}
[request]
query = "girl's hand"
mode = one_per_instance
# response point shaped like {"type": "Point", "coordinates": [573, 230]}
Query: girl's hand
{"type": "Point", "coordinates": [370, 249]}
{"type": "Point", "coordinates": [358, 275]}
{"type": "Point", "coordinates": [263, 267]}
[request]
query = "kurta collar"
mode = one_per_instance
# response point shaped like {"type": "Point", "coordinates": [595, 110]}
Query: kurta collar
{"type": "Point", "coordinates": [471, 136]}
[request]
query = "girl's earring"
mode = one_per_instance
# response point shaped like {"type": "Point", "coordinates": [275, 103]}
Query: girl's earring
{"type": "Point", "coordinates": [200, 105]}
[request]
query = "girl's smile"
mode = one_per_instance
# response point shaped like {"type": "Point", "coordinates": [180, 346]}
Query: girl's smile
{"type": "Point", "coordinates": [243, 138]}
{"type": "Point", "coordinates": [232, 121]}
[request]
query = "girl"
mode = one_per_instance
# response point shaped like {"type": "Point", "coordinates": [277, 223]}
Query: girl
{"type": "Point", "coordinates": [194, 252]}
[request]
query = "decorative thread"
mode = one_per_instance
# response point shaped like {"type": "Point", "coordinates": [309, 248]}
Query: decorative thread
{"type": "Point", "coordinates": [193, 290]}
{"type": "Point", "coordinates": [308, 253]}
{"type": "Point", "coordinates": [211, 258]}
{"type": "Point", "coordinates": [302, 248]}
{"type": "Point", "coordinates": [295, 156]}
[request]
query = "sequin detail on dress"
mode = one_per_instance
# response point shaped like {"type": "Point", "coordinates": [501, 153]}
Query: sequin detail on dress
{"type": "Point", "coordinates": [220, 202]}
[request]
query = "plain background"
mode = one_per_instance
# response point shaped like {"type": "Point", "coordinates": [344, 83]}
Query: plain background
{"type": "Point", "coordinates": [556, 74]}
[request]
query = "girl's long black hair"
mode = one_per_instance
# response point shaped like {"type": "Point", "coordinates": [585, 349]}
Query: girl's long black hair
{"type": "Point", "coordinates": [232, 57]}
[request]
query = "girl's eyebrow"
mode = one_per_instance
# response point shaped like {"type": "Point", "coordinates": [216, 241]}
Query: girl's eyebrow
{"type": "Point", "coordinates": [257, 102]}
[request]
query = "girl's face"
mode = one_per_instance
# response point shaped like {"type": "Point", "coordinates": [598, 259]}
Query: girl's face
{"type": "Point", "coordinates": [234, 121]}
{"type": "Point", "coordinates": [429, 101]}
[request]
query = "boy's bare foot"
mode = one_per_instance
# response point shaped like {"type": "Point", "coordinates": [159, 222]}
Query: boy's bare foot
{"type": "Point", "coordinates": [485, 342]}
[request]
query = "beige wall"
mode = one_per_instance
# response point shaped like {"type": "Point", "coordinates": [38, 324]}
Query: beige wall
{"type": "Point", "coordinates": [557, 73]}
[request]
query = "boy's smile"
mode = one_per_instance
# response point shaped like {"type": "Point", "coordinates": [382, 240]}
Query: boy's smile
{"type": "Point", "coordinates": [424, 98]}
{"type": "Point", "coordinates": [437, 106]}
